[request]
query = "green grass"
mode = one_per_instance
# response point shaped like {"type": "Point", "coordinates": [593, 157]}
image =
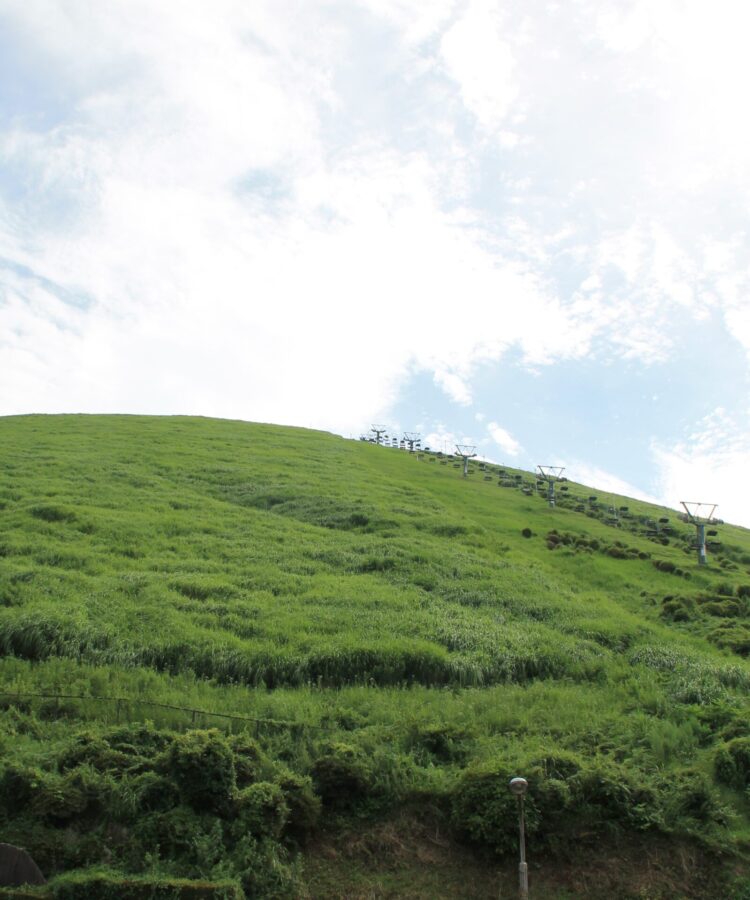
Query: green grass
{"type": "Point", "coordinates": [373, 600]}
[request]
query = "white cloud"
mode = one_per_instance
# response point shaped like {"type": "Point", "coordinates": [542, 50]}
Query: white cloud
{"type": "Point", "coordinates": [478, 56]}
{"type": "Point", "coordinates": [442, 439]}
{"type": "Point", "coordinates": [709, 466]}
{"type": "Point", "coordinates": [264, 226]}
{"type": "Point", "coordinates": [454, 386]}
{"type": "Point", "coordinates": [504, 439]}
{"type": "Point", "coordinates": [600, 479]}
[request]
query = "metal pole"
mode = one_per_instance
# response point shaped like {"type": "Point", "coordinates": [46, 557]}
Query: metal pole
{"type": "Point", "coordinates": [552, 493]}
{"type": "Point", "coordinates": [701, 534]}
{"type": "Point", "coordinates": [466, 466]}
{"type": "Point", "coordinates": [523, 869]}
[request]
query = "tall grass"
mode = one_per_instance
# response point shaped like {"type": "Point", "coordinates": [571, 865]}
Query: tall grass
{"type": "Point", "coordinates": [412, 627]}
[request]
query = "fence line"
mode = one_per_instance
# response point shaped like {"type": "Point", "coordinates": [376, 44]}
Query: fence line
{"type": "Point", "coordinates": [119, 701]}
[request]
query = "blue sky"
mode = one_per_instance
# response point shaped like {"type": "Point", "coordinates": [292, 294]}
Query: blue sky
{"type": "Point", "coordinates": [519, 225]}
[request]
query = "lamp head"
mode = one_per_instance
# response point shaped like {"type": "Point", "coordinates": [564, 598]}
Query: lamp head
{"type": "Point", "coordinates": [518, 786]}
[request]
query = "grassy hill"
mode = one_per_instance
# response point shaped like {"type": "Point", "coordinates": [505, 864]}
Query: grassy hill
{"type": "Point", "coordinates": [272, 655]}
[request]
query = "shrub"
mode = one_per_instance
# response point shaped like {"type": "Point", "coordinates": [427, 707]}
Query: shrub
{"type": "Point", "coordinates": [732, 763]}
{"type": "Point", "coordinates": [81, 794]}
{"type": "Point", "coordinates": [565, 798]}
{"type": "Point", "coordinates": [248, 758]}
{"type": "Point", "coordinates": [722, 609]}
{"type": "Point", "coordinates": [442, 743]}
{"type": "Point", "coordinates": [262, 810]}
{"type": "Point", "coordinates": [617, 553]}
{"type": "Point", "coordinates": [265, 871]}
{"type": "Point", "coordinates": [202, 764]}
{"type": "Point", "coordinates": [138, 739]}
{"type": "Point", "coordinates": [175, 832]}
{"type": "Point", "coordinates": [303, 804]}
{"type": "Point", "coordinates": [18, 785]}
{"type": "Point", "coordinates": [691, 800]}
{"type": "Point", "coordinates": [89, 748]}
{"type": "Point", "coordinates": [677, 609]}
{"type": "Point", "coordinates": [153, 792]}
{"type": "Point", "coordinates": [609, 795]}
{"type": "Point", "coordinates": [102, 885]}
{"type": "Point", "coordinates": [341, 776]}
{"type": "Point", "coordinates": [733, 636]}
{"type": "Point", "coordinates": [484, 811]}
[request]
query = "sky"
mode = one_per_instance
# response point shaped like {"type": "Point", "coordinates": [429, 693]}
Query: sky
{"type": "Point", "coordinates": [519, 225]}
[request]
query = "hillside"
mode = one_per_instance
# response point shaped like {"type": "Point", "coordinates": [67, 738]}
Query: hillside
{"type": "Point", "coordinates": [393, 640]}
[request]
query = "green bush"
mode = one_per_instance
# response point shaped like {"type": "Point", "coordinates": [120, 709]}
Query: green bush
{"type": "Point", "coordinates": [18, 786]}
{"type": "Point", "coordinates": [202, 765]}
{"type": "Point", "coordinates": [722, 609]}
{"type": "Point", "coordinates": [677, 609]}
{"type": "Point", "coordinates": [264, 870]}
{"type": "Point", "coordinates": [54, 798]}
{"type": "Point", "coordinates": [441, 743]}
{"type": "Point", "coordinates": [565, 798]}
{"type": "Point", "coordinates": [141, 739]}
{"type": "Point", "coordinates": [484, 811]}
{"type": "Point", "coordinates": [100, 885]}
{"type": "Point", "coordinates": [153, 792]}
{"type": "Point", "coordinates": [732, 762]}
{"type": "Point", "coordinates": [303, 804]}
{"type": "Point", "coordinates": [692, 800]}
{"type": "Point", "coordinates": [341, 776]}
{"type": "Point", "coordinates": [80, 793]}
{"type": "Point", "coordinates": [248, 758]}
{"type": "Point", "coordinates": [262, 810]}
{"type": "Point", "coordinates": [90, 748]}
{"type": "Point", "coordinates": [733, 636]}
{"type": "Point", "coordinates": [176, 832]}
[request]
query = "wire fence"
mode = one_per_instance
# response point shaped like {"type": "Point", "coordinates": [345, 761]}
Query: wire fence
{"type": "Point", "coordinates": [123, 708]}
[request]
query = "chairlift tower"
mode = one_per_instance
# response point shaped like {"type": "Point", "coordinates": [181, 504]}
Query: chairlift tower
{"type": "Point", "coordinates": [413, 440]}
{"type": "Point", "coordinates": [550, 474]}
{"type": "Point", "coordinates": [466, 452]}
{"type": "Point", "coordinates": [700, 514]}
{"type": "Point", "coordinates": [380, 432]}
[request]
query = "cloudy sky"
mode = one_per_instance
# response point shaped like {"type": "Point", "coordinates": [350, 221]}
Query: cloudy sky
{"type": "Point", "coordinates": [519, 224]}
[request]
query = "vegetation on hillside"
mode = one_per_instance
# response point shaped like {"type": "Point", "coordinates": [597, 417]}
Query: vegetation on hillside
{"type": "Point", "coordinates": [388, 635]}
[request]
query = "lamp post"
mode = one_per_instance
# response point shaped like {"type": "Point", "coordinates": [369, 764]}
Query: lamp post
{"type": "Point", "coordinates": [518, 787]}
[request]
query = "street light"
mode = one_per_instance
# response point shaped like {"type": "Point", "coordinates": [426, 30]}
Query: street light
{"type": "Point", "coordinates": [518, 787]}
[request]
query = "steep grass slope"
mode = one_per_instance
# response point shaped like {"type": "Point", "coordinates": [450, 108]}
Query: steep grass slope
{"type": "Point", "coordinates": [404, 637]}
